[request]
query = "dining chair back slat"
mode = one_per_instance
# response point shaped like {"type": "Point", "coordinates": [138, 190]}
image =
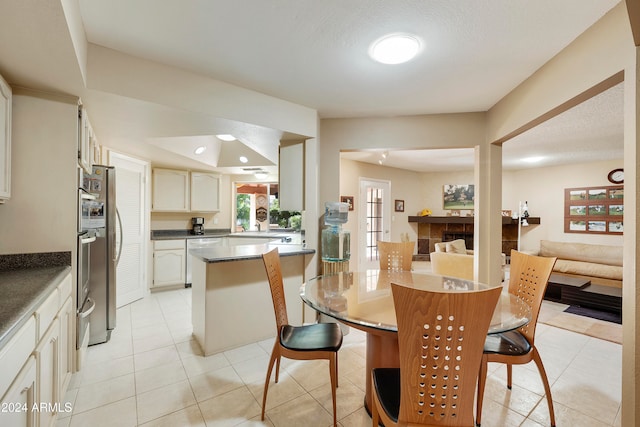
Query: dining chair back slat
{"type": "Point", "coordinates": [395, 256]}
{"type": "Point", "coordinates": [440, 337]}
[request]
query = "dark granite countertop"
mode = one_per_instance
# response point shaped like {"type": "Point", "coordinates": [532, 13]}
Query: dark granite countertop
{"type": "Point", "coordinates": [186, 234]}
{"type": "Point", "coordinates": [21, 292]}
{"type": "Point", "coordinates": [246, 252]}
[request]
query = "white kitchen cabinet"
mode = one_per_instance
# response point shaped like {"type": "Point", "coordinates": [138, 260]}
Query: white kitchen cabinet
{"type": "Point", "coordinates": [47, 354]}
{"type": "Point", "coordinates": [170, 190]}
{"type": "Point", "coordinates": [5, 140]}
{"type": "Point", "coordinates": [37, 362]}
{"type": "Point", "coordinates": [67, 345]}
{"type": "Point", "coordinates": [20, 398]}
{"type": "Point", "coordinates": [291, 176]}
{"type": "Point", "coordinates": [205, 192]}
{"type": "Point", "coordinates": [85, 138]}
{"type": "Point", "coordinates": [169, 262]}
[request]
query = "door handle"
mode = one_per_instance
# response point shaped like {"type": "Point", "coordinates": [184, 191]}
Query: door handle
{"type": "Point", "coordinates": [88, 311]}
{"type": "Point", "coordinates": [85, 240]}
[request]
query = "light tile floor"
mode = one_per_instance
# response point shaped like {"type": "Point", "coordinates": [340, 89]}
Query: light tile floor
{"type": "Point", "coordinates": [152, 373]}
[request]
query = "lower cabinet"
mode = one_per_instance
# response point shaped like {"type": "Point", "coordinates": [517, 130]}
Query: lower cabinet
{"type": "Point", "coordinates": [36, 364]}
{"type": "Point", "coordinates": [67, 345]}
{"type": "Point", "coordinates": [18, 401]}
{"type": "Point", "coordinates": [169, 262]}
{"type": "Point", "coordinates": [47, 353]}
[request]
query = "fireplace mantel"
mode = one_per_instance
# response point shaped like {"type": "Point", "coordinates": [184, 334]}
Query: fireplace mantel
{"type": "Point", "coordinates": [428, 219]}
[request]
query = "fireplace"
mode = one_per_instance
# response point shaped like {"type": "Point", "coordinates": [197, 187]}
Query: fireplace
{"type": "Point", "coordinates": [467, 236]}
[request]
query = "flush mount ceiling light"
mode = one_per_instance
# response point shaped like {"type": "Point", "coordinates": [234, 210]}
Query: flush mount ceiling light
{"type": "Point", "coordinates": [533, 159]}
{"type": "Point", "coordinates": [395, 48]}
{"type": "Point", "coordinates": [201, 149]}
{"type": "Point", "coordinates": [226, 137]}
{"type": "Point", "coordinates": [261, 174]}
{"type": "Point", "coordinates": [243, 159]}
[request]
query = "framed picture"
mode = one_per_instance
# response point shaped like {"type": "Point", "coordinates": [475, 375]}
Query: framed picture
{"type": "Point", "coordinates": [594, 210]}
{"type": "Point", "coordinates": [399, 205]}
{"type": "Point", "coordinates": [458, 197]}
{"type": "Point", "coordinates": [348, 200]}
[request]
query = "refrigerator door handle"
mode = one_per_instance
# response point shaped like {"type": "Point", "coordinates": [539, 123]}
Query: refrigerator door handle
{"type": "Point", "coordinates": [87, 312]}
{"type": "Point", "coordinates": [117, 259]}
{"type": "Point", "coordinates": [86, 240]}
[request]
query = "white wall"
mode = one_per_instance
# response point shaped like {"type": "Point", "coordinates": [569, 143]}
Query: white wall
{"type": "Point", "coordinates": [404, 186]}
{"type": "Point", "coordinates": [543, 189]}
{"type": "Point", "coordinates": [41, 214]}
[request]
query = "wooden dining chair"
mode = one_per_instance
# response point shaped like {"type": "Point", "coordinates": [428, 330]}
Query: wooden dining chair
{"type": "Point", "coordinates": [529, 275]}
{"type": "Point", "coordinates": [395, 256]}
{"type": "Point", "coordinates": [440, 340]}
{"type": "Point", "coordinates": [316, 341]}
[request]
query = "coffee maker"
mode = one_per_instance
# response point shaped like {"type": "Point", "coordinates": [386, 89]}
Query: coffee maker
{"type": "Point", "coordinates": [197, 225]}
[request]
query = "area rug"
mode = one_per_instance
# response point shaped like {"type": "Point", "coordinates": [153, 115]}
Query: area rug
{"type": "Point", "coordinates": [595, 314]}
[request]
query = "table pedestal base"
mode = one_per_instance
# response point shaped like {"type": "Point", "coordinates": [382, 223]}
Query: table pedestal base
{"type": "Point", "coordinates": [382, 352]}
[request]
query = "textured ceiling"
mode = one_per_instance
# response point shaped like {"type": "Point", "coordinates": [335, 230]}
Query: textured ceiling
{"type": "Point", "coordinates": [314, 53]}
{"type": "Point", "coordinates": [590, 132]}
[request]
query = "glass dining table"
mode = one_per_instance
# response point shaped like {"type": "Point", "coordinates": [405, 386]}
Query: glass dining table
{"type": "Point", "coordinates": [363, 300]}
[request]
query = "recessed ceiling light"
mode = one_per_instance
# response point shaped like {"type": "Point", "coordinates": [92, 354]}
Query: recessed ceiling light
{"type": "Point", "coordinates": [201, 149]}
{"type": "Point", "coordinates": [243, 159]}
{"type": "Point", "coordinates": [395, 48]}
{"type": "Point", "coordinates": [226, 137]}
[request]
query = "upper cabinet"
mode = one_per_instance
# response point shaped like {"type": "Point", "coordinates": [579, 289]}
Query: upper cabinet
{"type": "Point", "coordinates": [184, 191]}
{"type": "Point", "coordinates": [205, 192]}
{"type": "Point", "coordinates": [5, 140]}
{"type": "Point", "coordinates": [170, 190]}
{"type": "Point", "coordinates": [86, 140]}
{"type": "Point", "coordinates": [291, 173]}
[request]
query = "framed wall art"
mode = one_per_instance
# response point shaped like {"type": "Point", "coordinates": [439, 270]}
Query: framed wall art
{"type": "Point", "coordinates": [594, 210]}
{"type": "Point", "coordinates": [458, 197]}
{"type": "Point", "coordinates": [399, 205]}
{"type": "Point", "coordinates": [348, 200]}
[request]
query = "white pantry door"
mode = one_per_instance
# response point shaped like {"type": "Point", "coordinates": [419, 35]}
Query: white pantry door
{"type": "Point", "coordinates": [131, 201]}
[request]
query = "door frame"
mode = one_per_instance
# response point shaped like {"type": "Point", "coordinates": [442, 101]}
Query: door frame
{"type": "Point", "coordinates": [365, 183]}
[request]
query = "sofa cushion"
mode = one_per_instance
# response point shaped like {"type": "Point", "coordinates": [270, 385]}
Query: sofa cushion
{"type": "Point", "coordinates": [599, 254]}
{"type": "Point", "coordinates": [588, 269]}
{"type": "Point", "coordinates": [457, 247]}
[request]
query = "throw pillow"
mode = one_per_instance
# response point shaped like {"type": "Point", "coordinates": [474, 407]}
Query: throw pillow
{"type": "Point", "coordinates": [457, 247]}
{"type": "Point", "coordinates": [441, 247]}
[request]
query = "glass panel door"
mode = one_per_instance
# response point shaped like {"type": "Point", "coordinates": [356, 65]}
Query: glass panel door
{"type": "Point", "coordinates": [375, 224]}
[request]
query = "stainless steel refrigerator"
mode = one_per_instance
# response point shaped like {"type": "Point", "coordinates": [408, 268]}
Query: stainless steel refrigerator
{"type": "Point", "coordinates": [104, 253]}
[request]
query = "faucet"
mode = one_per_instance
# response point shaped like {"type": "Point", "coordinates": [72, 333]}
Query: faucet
{"type": "Point", "coordinates": [258, 225]}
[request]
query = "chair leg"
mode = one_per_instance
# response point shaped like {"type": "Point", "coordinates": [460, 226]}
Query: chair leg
{"type": "Point", "coordinates": [545, 382]}
{"type": "Point", "coordinates": [336, 369]}
{"type": "Point", "coordinates": [275, 354]}
{"type": "Point", "coordinates": [509, 375]}
{"type": "Point", "coordinates": [482, 379]}
{"type": "Point", "coordinates": [278, 368]}
{"type": "Point", "coordinates": [333, 371]}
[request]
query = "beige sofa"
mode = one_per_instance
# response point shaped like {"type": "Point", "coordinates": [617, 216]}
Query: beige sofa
{"type": "Point", "coordinates": [602, 264]}
{"type": "Point", "coordinates": [455, 260]}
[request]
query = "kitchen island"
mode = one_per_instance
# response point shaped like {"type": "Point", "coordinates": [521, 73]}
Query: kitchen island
{"type": "Point", "coordinates": [232, 303]}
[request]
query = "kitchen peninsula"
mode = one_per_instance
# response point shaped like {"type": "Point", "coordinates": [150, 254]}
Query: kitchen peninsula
{"type": "Point", "coordinates": [231, 298]}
